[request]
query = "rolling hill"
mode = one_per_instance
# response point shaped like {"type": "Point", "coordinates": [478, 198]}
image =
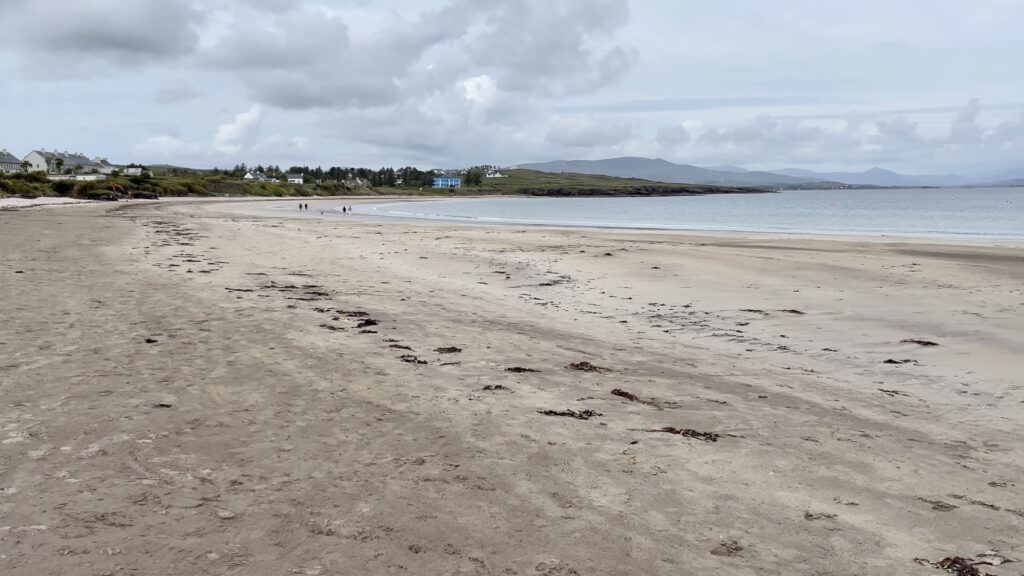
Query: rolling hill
{"type": "Point", "coordinates": [664, 171]}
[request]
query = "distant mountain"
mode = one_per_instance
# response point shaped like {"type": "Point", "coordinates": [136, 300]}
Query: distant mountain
{"type": "Point", "coordinates": [726, 168]}
{"type": "Point", "coordinates": [1000, 176]}
{"type": "Point", "coordinates": [880, 177]}
{"type": "Point", "coordinates": [660, 170]}
{"type": "Point", "coordinates": [1002, 183]}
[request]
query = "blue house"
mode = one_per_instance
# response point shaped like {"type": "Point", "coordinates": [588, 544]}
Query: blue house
{"type": "Point", "coordinates": [447, 182]}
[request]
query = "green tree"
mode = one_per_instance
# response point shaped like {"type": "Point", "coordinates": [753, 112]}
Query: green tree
{"type": "Point", "coordinates": [474, 177]}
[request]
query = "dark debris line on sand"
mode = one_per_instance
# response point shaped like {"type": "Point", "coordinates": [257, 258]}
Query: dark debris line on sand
{"type": "Point", "coordinates": [580, 415]}
{"type": "Point", "coordinates": [587, 367]}
{"type": "Point", "coordinates": [961, 566]}
{"type": "Point", "coordinates": [633, 397]}
{"type": "Point", "coordinates": [685, 432]}
{"type": "Point", "coordinates": [520, 370]}
{"type": "Point", "coordinates": [892, 392]}
{"type": "Point", "coordinates": [902, 362]}
{"type": "Point", "coordinates": [925, 343]}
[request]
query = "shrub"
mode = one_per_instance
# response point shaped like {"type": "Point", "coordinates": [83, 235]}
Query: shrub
{"type": "Point", "coordinates": [62, 187]}
{"type": "Point", "coordinates": [83, 189]}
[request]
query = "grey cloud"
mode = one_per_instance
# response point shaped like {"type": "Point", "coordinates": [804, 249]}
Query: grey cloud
{"type": "Point", "coordinates": [675, 135]}
{"type": "Point", "coordinates": [547, 47]}
{"type": "Point", "coordinates": [861, 141]}
{"type": "Point", "coordinates": [103, 29]}
{"type": "Point", "coordinates": [295, 40]}
{"type": "Point", "coordinates": [304, 58]}
{"type": "Point", "coordinates": [583, 132]}
{"type": "Point", "coordinates": [863, 115]}
{"type": "Point", "coordinates": [965, 125]}
{"type": "Point", "coordinates": [177, 94]}
{"type": "Point", "coordinates": [682, 104]}
{"type": "Point", "coordinates": [1008, 133]}
{"type": "Point", "coordinates": [762, 131]}
{"type": "Point", "coordinates": [292, 90]}
{"type": "Point", "coordinates": [464, 81]}
{"type": "Point", "coordinates": [897, 131]}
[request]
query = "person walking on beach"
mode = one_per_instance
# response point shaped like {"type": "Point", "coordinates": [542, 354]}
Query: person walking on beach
{"type": "Point", "coordinates": [342, 209]}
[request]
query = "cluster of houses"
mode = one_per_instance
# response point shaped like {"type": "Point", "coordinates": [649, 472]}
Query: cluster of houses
{"type": "Point", "coordinates": [76, 166]}
{"type": "Point", "coordinates": [261, 177]}
{"type": "Point", "coordinates": [453, 178]}
{"type": "Point", "coordinates": [58, 165]}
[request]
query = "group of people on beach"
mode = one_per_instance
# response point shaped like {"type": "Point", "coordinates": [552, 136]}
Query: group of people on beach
{"type": "Point", "coordinates": [344, 209]}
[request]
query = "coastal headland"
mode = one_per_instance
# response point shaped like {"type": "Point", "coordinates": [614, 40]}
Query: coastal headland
{"type": "Point", "coordinates": [192, 388]}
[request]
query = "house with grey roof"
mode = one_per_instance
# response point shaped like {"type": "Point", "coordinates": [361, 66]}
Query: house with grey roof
{"type": "Point", "coordinates": [9, 163]}
{"type": "Point", "coordinates": [54, 162]}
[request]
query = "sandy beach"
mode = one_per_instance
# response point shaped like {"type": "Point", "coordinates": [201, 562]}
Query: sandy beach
{"type": "Point", "coordinates": [198, 388]}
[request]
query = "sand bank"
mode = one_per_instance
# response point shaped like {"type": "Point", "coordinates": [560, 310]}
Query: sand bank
{"type": "Point", "coordinates": [14, 203]}
{"type": "Point", "coordinates": [194, 390]}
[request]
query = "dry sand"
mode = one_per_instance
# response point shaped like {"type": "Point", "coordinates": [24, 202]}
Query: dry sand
{"type": "Point", "coordinates": [191, 390]}
{"type": "Point", "coordinates": [15, 203]}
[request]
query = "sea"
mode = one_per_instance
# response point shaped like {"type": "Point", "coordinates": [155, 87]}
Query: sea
{"type": "Point", "coordinates": [933, 212]}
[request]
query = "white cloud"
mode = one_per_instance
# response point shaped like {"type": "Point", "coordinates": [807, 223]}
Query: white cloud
{"type": "Point", "coordinates": [480, 90]}
{"type": "Point", "coordinates": [229, 137]}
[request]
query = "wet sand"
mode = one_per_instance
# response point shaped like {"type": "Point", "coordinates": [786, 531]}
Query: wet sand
{"type": "Point", "coordinates": [189, 388]}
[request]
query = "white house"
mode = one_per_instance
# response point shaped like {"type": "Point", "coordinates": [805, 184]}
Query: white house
{"type": "Point", "coordinates": [60, 162]}
{"type": "Point", "coordinates": [258, 177]}
{"type": "Point", "coordinates": [91, 177]}
{"type": "Point", "coordinates": [9, 163]}
{"type": "Point", "coordinates": [132, 171]}
{"type": "Point", "coordinates": [105, 167]}
{"type": "Point", "coordinates": [294, 178]}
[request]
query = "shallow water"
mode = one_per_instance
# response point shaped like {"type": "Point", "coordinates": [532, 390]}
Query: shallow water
{"type": "Point", "coordinates": [984, 212]}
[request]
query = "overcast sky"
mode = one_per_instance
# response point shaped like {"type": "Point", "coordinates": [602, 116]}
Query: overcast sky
{"type": "Point", "coordinates": [911, 85]}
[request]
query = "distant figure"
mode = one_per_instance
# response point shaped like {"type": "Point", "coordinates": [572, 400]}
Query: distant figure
{"type": "Point", "coordinates": [349, 209]}
{"type": "Point", "coordinates": [300, 205]}
{"type": "Point", "coordinates": [342, 209]}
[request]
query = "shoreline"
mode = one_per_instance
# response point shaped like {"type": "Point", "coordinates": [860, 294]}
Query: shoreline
{"type": "Point", "coordinates": [320, 204]}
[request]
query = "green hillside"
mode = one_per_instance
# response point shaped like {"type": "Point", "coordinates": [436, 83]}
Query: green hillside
{"type": "Point", "coordinates": [205, 183]}
{"type": "Point", "coordinates": [533, 182]}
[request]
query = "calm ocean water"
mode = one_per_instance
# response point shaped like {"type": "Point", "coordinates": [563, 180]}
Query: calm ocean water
{"type": "Point", "coordinates": [985, 212]}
